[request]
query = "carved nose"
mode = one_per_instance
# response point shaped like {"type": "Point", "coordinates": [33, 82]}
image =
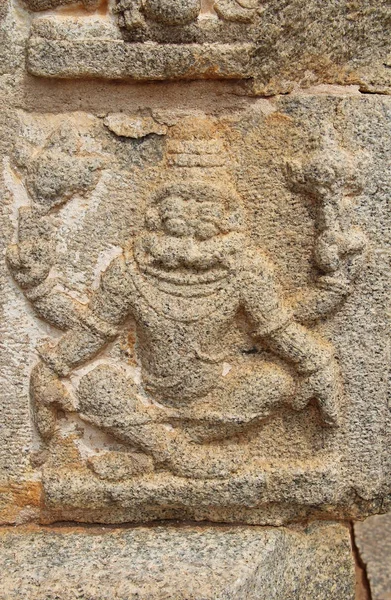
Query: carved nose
{"type": "Point", "coordinates": [192, 254]}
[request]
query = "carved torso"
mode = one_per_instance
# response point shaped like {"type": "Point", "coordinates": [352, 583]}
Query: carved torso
{"type": "Point", "coordinates": [181, 331]}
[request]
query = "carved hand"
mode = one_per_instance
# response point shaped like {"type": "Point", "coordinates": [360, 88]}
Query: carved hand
{"type": "Point", "coordinates": [318, 370]}
{"type": "Point", "coordinates": [29, 262]}
{"type": "Point", "coordinates": [340, 254]}
{"type": "Point", "coordinates": [325, 386]}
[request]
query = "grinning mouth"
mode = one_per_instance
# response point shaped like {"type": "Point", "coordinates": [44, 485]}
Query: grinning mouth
{"type": "Point", "coordinates": [184, 276]}
{"type": "Point", "coordinates": [183, 262]}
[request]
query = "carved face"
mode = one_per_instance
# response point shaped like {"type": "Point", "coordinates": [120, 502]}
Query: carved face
{"type": "Point", "coordinates": [191, 232]}
{"type": "Point", "coordinates": [188, 218]}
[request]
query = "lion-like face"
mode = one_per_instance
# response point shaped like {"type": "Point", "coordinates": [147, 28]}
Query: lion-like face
{"type": "Point", "coordinates": [191, 237]}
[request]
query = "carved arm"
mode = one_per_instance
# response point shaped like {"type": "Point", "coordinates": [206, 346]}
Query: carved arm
{"type": "Point", "coordinates": [97, 323]}
{"type": "Point", "coordinates": [314, 361]}
{"type": "Point", "coordinates": [340, 249]}
{"type": "Point", "coordinates": [30, 262]}
{"type": "Point", "coordinates": [93, 328]}
{"type": "Point", "coordinates": [311, 356]}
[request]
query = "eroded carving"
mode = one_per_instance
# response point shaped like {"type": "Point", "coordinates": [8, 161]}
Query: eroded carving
{"type": "Point", "coordinates": [186, 280]}
{"type": "Point", "coordinates": [192, 39]}
{"type": "Point", "coordinates": [241, 11]}
{"type": "Point", "coordinates": [182, 22]}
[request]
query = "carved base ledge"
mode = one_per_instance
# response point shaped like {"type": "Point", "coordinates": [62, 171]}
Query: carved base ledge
{"type": "Point", "coordinates": [115, 59]}
{"type": "Point", "coordinates": [271, 496]}
{"type": "Point", "coordinates": [188, 562]}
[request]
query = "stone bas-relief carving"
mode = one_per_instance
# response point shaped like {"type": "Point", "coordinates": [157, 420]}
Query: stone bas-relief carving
{"type": "Point", "coordinates": [257, 40]}
{"type": "Point", "coordinates": [221, 352]}
{"type": "Point", "coordinates": [183, 283]}
{"type": "Point", "coordinates": [194, 295]}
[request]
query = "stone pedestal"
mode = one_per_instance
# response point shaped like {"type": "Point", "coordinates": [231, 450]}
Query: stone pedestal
{"type": "Point", "coordinates": [177, 563]}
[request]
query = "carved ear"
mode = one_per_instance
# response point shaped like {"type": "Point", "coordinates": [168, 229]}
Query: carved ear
{"type": "Point", "coordinates": [234, 221]}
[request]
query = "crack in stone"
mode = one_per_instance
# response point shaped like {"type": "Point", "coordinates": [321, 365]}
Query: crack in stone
{"type": "Point", "coordinates": [363, 587]}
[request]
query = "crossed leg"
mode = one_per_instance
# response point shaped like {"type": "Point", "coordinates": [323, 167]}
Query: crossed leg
{"type": "Point", "coordinates": [173, 438]}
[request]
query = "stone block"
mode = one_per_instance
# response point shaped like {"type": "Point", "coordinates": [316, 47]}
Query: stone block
{"type": "Point", "coordinates": [373, 539]}
{"type": "Point", "coordinates": [275, 46]}
{"type": "Point", "coordinates": [196, 312]}
{"type": "Point", "coordinates": [177, 563]}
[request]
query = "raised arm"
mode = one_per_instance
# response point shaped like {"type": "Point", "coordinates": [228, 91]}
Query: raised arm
{"type": "Point", "coordinates": [339, 257]}
{"type": "Point", "coordinates": [88, 327]}
{"type": "Point", "coordinates": [93, 327]}
{"type": "Point", "coordinates": [96, 325]}
{"type": "Point", "coordinates": [329, 180]}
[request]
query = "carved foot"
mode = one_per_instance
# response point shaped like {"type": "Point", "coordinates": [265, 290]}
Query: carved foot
{"type": "Point", "coordinates": [109, 400]}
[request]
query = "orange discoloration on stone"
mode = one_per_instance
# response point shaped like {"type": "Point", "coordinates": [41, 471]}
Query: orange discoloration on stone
{"type": "Point", "coordinates": [278, 118]}
{"type": "Point", "coordinates": [130, 348]}
{"type": "Point", "coordinates": [18, 496]}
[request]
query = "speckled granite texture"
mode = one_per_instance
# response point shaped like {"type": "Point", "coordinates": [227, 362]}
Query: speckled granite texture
{"type": "Point", "coordinates": [177, 563]}
{"type": "Point", "coordinates": [373, 539]}
{"type": "Point", "coordinates": [194, 279]}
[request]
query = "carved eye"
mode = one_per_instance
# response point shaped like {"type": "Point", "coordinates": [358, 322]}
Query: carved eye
{"type": "Point", "coordinates": [177, 227]}
{"type": "Point", "coordinates": [206, 230]}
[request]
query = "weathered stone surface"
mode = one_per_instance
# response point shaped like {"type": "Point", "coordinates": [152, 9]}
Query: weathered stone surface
{"type": "Point", "coordinates": [208, 298]}
{"type": "Point", "coordinates": [194, 293]}
{"type": "Point", "coordinates": [279, 45]}
{"type": "Point", "coordinates": [373, 539]}
{"type": "Point", "coordinates": [114, 59]}
{"type": "Point", "coordinates": [195, 283]}
{"type": "Point", "coordinates": [134, 127]}
{"type": "Point", "coordinates": [177, 563]}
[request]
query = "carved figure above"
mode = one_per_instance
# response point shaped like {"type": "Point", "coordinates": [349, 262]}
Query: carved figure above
{"type": "Point", "coordinates": [186, 280]}
{"type": "Point", "coordinates": [183, 22]}
{"type": "Point", "coordinates": [241, 11]}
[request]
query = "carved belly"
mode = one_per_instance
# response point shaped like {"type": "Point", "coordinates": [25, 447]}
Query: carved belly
{"type": "Point", "coordinates": [190, 381]}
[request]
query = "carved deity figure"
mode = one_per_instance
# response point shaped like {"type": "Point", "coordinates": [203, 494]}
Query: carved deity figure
{"type": "Point", "coordinates": [185, 280]}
